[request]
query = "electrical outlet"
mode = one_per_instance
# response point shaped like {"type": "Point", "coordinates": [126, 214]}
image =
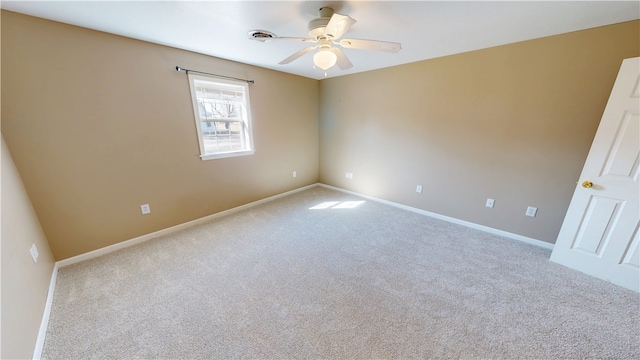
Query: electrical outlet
{"type": "Point", "coordinates": [419, 189]}
{"type": "Point", "coordinates": [348, 175]}
{"type": "Point", "coordinates": [34, 253]}
{"type": "Point", "coordinates": [145, 209]}
{"type": "Point", "coordinates": [489, 203]}
{"type": "Point", "coordinates": [294, 173]}
{"type": "Point", "coordinates": [531, 211]}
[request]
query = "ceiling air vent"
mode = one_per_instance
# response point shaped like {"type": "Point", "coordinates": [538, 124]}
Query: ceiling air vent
{"type": "Point", "coordinates": [261, 35]}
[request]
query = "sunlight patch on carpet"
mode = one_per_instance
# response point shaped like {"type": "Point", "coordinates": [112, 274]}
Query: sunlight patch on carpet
{"type": "Point", "coordinates": [337, 205]}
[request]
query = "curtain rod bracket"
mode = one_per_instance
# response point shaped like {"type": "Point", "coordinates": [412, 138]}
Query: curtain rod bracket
{"type": "Point", "coordinates": [178, 69]}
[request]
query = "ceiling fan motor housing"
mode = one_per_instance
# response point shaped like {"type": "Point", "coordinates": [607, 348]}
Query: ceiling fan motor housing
{"type": "Point", "coordinates": [317, 25]}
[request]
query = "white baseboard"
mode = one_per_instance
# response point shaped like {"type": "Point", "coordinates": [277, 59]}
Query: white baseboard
{"type": "Point", "coordinates": [146, 237]}
{"type": "Point", "coordinates": [37, 352]}
{"type": "Point", "coordinates": [486, 229]}
{"type": "Point", "coordinates": [99, 252]}
{"type": "Point", "coordinates": [143, 238]}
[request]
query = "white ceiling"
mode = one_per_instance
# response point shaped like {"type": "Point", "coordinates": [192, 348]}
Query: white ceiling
{"type": "Point", "coordinates": [426, 29]}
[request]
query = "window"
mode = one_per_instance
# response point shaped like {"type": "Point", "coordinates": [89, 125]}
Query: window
{"type": "Point", "coordinates": [223, 120]}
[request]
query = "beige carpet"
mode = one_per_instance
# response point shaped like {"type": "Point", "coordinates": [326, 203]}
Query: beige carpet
{"type": "Point", "coordinates": [281, 280]}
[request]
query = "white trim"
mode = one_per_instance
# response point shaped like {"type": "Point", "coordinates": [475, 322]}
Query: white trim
{"type": "Point", "coordinates": [143, 238]}
{"type": "Point", "coordinates": [44, 323]}
{"type": "Point", "coordinates": [37, 352]}
{"type": "Point", "coordinates": [468, 224]}
{"type": "Point", "coordinates": [124, 244]}
{"type": "Point", "coordinates": [222, 155]}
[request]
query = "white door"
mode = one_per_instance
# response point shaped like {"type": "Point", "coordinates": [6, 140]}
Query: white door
{"type": "Point", "coordinates": [599, 235]}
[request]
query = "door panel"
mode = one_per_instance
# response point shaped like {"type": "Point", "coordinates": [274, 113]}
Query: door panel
{"type": "Point", "coordinates": [599, 219]}
{"type": "Point", "coordinates": [599, 235]}
{"type": "Point", "coordinates": [631, 257]}
{"type": "Point", "coordinates": [623, 160]}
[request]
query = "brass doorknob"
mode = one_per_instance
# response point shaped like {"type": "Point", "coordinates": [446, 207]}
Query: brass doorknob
{"type": "Point", "coordinates": [587, 184]}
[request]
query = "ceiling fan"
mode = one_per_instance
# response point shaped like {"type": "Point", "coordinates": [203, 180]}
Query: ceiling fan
{"type": "Point", "coordinates": [326, 31]}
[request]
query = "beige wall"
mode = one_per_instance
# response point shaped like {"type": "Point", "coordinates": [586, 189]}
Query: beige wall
{"type": "Point", "coordinates": [24, 283]}
{"type": "Point", "coordinates": [99, 124]}
{"type": "Point", "coordinates": [513, 123]}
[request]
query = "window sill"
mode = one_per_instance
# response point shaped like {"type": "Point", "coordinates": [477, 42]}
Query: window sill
{"type": "Point", "coordinates": [227, 154]}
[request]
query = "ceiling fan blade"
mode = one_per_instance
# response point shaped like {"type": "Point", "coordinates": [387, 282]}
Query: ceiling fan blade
{"type": "Point", "coordinates": [342, 62]}
{"type": "Point", "coordinates": [297, 55]}
{"type": "Point", "coordinates": [370, 45]}
{"type": "Point", "coordinates": [338, 25]}
{"type": "Point", "coordinates": [294, 38]}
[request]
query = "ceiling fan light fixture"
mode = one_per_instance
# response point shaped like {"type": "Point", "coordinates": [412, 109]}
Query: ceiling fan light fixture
{"type": "Point", "coordinates": [325, 58]}
{"type": "Point", "coordinates": [325, 31]}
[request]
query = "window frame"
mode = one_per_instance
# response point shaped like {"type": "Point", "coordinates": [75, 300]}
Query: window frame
{"type": "Point", "coordinates": [245, 118]}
